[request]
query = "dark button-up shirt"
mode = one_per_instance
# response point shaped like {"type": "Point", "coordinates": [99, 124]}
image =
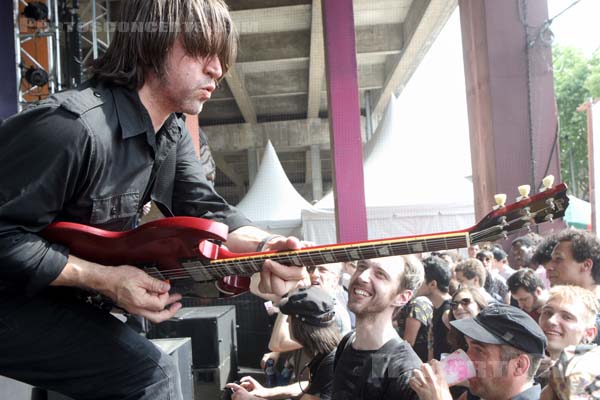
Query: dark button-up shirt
{"type": "Point", "coordinates": [91, 156]}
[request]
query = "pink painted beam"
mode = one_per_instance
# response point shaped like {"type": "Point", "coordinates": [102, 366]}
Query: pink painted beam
{"type": "Point", "coordinates": [344, 120]}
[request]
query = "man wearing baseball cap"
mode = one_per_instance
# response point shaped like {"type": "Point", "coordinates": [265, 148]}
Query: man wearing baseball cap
{"type": "Point", "coordinates": [505, 344]}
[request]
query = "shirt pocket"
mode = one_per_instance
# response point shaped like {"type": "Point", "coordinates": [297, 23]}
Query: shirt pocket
{"type": "Point", "coordinates": [115, 207]}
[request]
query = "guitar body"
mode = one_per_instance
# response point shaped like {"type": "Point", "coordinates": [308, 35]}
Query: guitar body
{"type": "Point", "coordinates": [159, 245]}
{"type": "Point", "coordinates": [187, 251]}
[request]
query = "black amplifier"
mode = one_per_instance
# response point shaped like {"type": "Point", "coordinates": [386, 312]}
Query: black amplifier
{"type": "Point", "coordinates": [212, 330]}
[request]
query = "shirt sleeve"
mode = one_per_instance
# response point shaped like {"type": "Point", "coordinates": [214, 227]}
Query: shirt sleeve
{"type": "Point", "coordinates": [321, 382]}
{"type": "Point", "coordinates": [43, 158]}
{"type": "Point", "coordinates": [400, 389]}
{"type": "Point", "coordinates": [193, 195]}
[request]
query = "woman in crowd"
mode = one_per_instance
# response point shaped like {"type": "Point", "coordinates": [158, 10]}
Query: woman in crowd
{"type": "Point", "coordinates": [467, 302]}
{"type": "Point", "coordinates": [312, 324]}
{"type": "Point", "coordinates": [413, 322]}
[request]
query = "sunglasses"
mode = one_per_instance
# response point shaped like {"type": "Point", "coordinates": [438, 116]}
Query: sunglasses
{"type": "Point", "coordinates": [463, 302]}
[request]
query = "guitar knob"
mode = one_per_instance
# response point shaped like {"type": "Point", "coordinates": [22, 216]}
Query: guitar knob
{"type": "Point", "coordinates": [500, 200]}
{"type": "Point", "coordinates": [547, 182]}
{"type": "Point", "coordinates": [524, 192]}
{"type": "Point", "coordinates": [549, 218]}
{"type": "Point", "coordinates": [551, 204]}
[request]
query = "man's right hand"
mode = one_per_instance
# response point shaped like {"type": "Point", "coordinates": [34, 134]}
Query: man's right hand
{"type": "Point", "coordinates": [129, 287]}
{"type": "Point", "coordinates": [140, 294]}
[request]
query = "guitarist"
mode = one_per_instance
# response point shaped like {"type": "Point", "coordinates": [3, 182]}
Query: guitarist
{"type": "Point", "coordinates": [95, 156]}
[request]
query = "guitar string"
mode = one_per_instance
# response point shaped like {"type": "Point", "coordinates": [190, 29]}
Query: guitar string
{"type": "Point", "coordinates": [254, 264]}
{"type": "Point", "coordinates": [220, 267]}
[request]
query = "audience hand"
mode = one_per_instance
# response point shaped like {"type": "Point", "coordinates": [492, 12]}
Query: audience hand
{"type": "Point", "coordinates": [248, 388]}
{"type": "Point", "coordinates": [429, 383]}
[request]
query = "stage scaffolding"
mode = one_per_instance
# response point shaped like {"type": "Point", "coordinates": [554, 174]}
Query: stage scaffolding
{"type": "Point", "coordinates": [52, 52]}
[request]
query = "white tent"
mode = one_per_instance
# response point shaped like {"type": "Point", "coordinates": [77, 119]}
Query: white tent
{"type": "Point", "coordinates": [272, 202]}
{"type": "Point", "coordinates": [422, 200]}
{"type": "Point", "coordinates": [415, 164]}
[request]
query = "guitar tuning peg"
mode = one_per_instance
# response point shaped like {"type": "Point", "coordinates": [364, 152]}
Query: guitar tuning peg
{"type": "Point", "coordinates": [547, 182]}
{"type": "Point", "coordinates": [500, 200]}
{"type": "Point", "coordinates": [524, 192]}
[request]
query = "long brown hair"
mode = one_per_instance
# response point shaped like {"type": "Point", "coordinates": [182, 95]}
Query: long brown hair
{"type": "Point", "coordinates": [456, 339]}
{"type": "Point", "coordinates": [148, 29]}
{"type": "Point", "coordinates": [314, 339]}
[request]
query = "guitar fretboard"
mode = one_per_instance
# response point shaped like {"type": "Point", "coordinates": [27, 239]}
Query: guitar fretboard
{"type": "Point", "coordinates": [310, 256]}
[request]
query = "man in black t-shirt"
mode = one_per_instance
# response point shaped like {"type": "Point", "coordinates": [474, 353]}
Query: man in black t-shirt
{"type": "Point", "coordinates": [435, 287]}
{"type": "Point", "coordinates": [374, 362]}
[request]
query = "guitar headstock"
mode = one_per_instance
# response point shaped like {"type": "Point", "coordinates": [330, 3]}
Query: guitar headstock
{"type": "Point", "coordinates": [545, 206]}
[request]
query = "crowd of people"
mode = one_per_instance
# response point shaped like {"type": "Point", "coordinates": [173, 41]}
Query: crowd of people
{"type": "Point", "coordinates": [517, 322]}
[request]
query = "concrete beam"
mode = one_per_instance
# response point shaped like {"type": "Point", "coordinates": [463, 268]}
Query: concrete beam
{"type": "Point", "coordinates": [299, 17]}
{"type": "Point", "coordinates": [316, 72]}
{"type": "Point", "coordinates": [235, 81]}
{"type": "Point", "coordinates": [285, 135]}
{"type": "Point", "coordinates": [424, 21]}
{"type": "Point", "coordinates": [270, 20]}
{"type": "Point", "coordinates": [315, 171]}
{"type": "Point", "coordinates": [226, 169]}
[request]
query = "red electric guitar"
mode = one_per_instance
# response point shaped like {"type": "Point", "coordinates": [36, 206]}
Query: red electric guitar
{"type": "Point", "coordinates": [187, 250]}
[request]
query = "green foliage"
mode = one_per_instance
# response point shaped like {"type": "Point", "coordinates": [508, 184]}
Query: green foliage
{"type": "Point", "coordinates": [576, 80]}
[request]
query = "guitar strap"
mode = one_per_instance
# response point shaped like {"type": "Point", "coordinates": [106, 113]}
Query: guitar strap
{"type": "Point", "coordinates": [161, 186]}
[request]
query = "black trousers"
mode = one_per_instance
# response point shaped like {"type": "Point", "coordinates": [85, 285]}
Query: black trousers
{"type": "Point", "coordinates": [57, 342]}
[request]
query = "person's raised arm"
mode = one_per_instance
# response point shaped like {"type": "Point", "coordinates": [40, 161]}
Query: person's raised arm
{"type": "Point", "coordinates": [281, 340]}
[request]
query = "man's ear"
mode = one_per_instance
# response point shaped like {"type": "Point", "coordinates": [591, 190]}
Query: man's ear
{"type": "Point", "coordinates": [587, 265]}
{"type": "Point", "coordinates": [402, 298]}
{"type": "Point", "coordinates": [521, 365]}
{"type": "Point", "coordinates": [538, 291]}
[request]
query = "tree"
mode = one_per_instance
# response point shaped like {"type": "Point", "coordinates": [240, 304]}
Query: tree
{"type": "Point", "coordinates": [576, 80]}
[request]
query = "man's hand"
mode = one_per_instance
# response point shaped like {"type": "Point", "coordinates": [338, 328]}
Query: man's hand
{"type": "Point", "coordinates": [429, 383]}
{"type": "Point", "coordinates": [280, 279]}
{"type": "Point", "coordinates": [129, 287]}
{"type": "Point", "coordinates": [140, 294]}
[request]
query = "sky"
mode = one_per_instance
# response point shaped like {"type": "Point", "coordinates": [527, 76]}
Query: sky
{"type": "Point", "coordinates": [578, 26]}
{"type": "Point", "coordinates": [438, 84]}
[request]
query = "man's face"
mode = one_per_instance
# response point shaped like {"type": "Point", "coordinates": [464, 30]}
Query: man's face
{"type": "Point", "coordinates": [374, 286]}
{"type": "Point", "coordinates": [188, 82]}
{"type": "Point", "coordinates": [327, 276]}
{"type": "Point", "coordinates": [563, 324]}
{"type": "Point", "coordinates": [473, 250]}
{"type": "Point", "coordinates": [563, 269]}
{"type": "Point", "coordinates": [522, 254]}
{"type": "Point", "coordinates": [528, 302]}
{"type": "Point", "coordinates": [486, 261]}
{"type": "Point", "coordinates": [491, 378]}
{"type": "Point", "coordinates": [473, 282]}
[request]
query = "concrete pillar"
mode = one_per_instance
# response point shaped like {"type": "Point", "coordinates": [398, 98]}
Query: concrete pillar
{"type": "Point", "coordinates": [252, 165]}
{"type": "Point", "coordinates": [344, 120]}
{"type": "Point", "coordinates": [510, 97]}
{"type": "Point", "coordinates": [9, 99]}
{"type": "Point", "coordinates": [316, 173]}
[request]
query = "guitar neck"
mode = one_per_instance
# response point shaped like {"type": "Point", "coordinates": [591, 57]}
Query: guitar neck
{"type": "Point", "coordinates": [310, 256]}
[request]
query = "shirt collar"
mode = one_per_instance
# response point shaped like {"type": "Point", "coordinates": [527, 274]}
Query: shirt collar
{"type": "Point", "coordinates": [533, 393]}
{"type": "Point", "coordinates": [133, 116]}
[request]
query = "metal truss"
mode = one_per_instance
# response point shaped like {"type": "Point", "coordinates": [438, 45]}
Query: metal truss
{"type": "Point", "coordinates": [95, 28]}
{"type": "Point", "coordinates": [28, 93]}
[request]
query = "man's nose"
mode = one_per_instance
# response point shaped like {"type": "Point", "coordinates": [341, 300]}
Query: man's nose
{"type": "Point", "coordinates": [213, 68]}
